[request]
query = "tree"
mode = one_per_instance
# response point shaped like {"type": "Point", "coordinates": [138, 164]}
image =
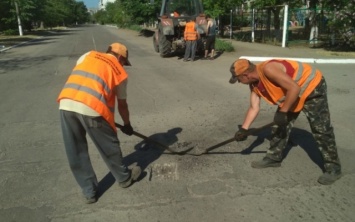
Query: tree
{"type": "Point", "coordinates": [344, 19]}
{"type": "Point", "coordinates": [128, 12]}
{"type": "Point", "coordinates": [221, 9]}
{"type": "Point", "coordinates": [49, 12]}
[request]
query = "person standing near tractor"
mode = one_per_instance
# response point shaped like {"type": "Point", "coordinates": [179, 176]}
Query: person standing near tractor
{"type": "Point", "coordinates": [191, 36]}
{"type": "Point", "coordinates": [87, 104]}
{"type": "Point", "coordinates": [294, 87]}
{"type": "Point", "coordinates": [211, 37]}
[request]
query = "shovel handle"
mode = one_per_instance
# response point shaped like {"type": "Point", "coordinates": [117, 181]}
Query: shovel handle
{"type": "Point", "coordinates": [143, 137]}
{"type": "Point", "coordinates": [154, 141]}
{"type": "Point", "coordinates": [247, 133]}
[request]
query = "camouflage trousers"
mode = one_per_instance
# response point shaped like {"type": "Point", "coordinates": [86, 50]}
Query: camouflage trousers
{"type": "Point", "coordinates": [317, 112]}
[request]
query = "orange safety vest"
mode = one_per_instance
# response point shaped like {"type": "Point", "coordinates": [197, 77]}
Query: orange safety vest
{"type": "Point", "coordinates": [304, 75]}
{"type": "Point", "coordinates": [92, 82]}
{"type": "Point", "coordinates": [190, 33]}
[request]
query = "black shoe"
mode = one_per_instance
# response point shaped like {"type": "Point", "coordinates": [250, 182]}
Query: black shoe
{"type": "Point", "coordinates": [204, 58]}
{"type": "Point", "coordinates": [135, 173]}
{"type": "Point", "coordinates": [330, 177]}
{"type": "Point", "coordinates": [265, 162]}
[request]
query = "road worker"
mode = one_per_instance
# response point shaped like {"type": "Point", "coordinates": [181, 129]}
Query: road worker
{"type": "Point", "coordinates": [294, 87]}
{"type": "Point", "coordinates": [87, 104]}
{"type": "Point", "coordinates": [191, 36]}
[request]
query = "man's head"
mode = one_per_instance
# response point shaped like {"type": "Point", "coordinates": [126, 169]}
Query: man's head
{"type": "Point", "coordinates": [120, 51]}
{"type": "Point", "coordinates": [239, 69]}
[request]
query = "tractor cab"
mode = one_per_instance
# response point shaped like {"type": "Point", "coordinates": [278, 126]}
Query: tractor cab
{"type": "Point", "coordinates": [181, 8]}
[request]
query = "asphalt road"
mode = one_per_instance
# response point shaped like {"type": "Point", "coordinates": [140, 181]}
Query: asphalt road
{"type": "Point", "coordinates": [181, 105]}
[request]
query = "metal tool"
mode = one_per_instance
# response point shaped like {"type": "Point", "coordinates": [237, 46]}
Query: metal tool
{"type": "Point", "coordinates": [248, 133]}
{"type": "Point", "coordinates": [160, 145]}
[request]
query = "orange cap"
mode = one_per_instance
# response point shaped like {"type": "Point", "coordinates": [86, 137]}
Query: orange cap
{"type": "Point", "coordinates": [238, 67]}
{"type": "Point", "coordinates": [120, 49]}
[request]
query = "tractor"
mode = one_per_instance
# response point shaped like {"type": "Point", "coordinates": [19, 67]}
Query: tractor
{"type": "Point", "coordinates": [168, 39]}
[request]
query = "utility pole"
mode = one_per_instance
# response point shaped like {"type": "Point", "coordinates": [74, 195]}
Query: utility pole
{"type": "Point", "coordinates": [18, 19]}
{"type": "Point", "coordinates": [231, 25]}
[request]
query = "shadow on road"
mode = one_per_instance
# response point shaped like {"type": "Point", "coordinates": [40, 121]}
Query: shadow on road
{"type": "Point", "coordinates": [298, 137]}
{"type": "Point", "coordinates": [144, 155]}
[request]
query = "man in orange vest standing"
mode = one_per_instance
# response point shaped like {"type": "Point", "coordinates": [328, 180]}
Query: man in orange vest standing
{"type": "Point", "coordinates": [87, 104]}
{"type": "Point", "coordinates": [190, 35]}
{"type": "Point", "coordinates": [294, 87]}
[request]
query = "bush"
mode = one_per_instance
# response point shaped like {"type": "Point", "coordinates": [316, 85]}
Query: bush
{"type": "Point", "coordinates": [224, 46]}
{"type": "Point", "coordinates": [135, 28]}
{"type": "Point", "coordinates": [11, 32]}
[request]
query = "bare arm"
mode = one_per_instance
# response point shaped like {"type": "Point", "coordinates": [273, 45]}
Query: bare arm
{"type": "Point", "coordinates": [121, 94]}
{"type": "Point", "coordinates": [276, 73]}
{"type": "Point", "coordinates": [253, 110]}
{"type": "Point", "coordinates": [123, 110]}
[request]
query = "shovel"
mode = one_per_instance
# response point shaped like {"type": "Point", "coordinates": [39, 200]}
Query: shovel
{"type": "Point", "coordinates": [160, 145]}
{"type": "Point", "coordinates": [248, 133]}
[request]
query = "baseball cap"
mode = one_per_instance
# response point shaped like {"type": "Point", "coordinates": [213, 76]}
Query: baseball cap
{"type": "Point", "coordinates": [238, 67]}
{"type": "Point", "coordinates": [120, 49]}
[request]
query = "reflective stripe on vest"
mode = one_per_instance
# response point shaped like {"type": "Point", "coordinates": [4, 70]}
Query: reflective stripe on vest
{"type": "Point", "coordinates": [190, 33]}
{"type": "Point", "coordinates": [94, 77]}
{"type": "Point", "coordinates": [306, 79]}
{"type": "Point", "coordinates": [297, 77]}
{"type": "Point", "coordinates": [92, 82]}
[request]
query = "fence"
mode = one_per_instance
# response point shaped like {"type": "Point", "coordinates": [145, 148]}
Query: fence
{"type": "Point", "coordinates": [304, 26]}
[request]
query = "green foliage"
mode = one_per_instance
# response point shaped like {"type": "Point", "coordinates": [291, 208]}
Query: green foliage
{"type": "Point", "coordinates": [220, 7]}
{"type": "Point", "coordinates": [48, 12]}
{"type": "Point", "coordinates": [343, 22]}
{"type": "Point", "coordinates": [125, 13]}
{"type": "Point", "coordinates": [10, 32]}
{"type": "Point", "coordinates": [225, 46]}
{"type": "Point", "coordinates": [135, 28]}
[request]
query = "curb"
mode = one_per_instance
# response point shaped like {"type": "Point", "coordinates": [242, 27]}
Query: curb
{"type": "Point", "coordinates": [307, 60]}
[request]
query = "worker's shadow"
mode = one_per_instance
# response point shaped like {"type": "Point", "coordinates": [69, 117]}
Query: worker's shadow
{"type": "Point", "coordinates": [145, 153]}
{"type": "Point", "coordinates": [298, 137]}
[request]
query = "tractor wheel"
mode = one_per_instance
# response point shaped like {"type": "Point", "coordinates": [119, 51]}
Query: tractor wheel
{"type": "Point", "coordinates": [156, 47]}
{"type": "Point", "coordinates": [164, 46]}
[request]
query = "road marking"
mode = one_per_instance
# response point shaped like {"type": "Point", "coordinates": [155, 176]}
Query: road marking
{"type": "Point", "coordinates": [307, 60]}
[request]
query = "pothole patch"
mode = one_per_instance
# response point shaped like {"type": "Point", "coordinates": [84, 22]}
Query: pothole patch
{"type": "Point", "coordinates": [165, 171]}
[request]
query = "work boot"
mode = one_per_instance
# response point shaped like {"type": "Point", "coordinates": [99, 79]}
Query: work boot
{"type": "Point", "coordinates": [266, 162]}
{"type": "Point", "coordinates": [90, 200]}
{"type": "Point", "coordinates": [135, 173]}
{"type": "Point", "coordinates": [330, 177]}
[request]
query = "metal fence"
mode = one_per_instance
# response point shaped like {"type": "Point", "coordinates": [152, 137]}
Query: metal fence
{"type": "Point", "coordinates": [304, 26]}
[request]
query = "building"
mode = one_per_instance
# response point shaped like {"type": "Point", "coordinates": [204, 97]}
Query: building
{"type": "Point", "coordinates": [102, 3]}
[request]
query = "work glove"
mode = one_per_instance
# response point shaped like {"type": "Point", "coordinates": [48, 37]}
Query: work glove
{"type": "Point", "coordinates": [127, 129]}
{"type": "Point", "coordinates": [240, 135]}
{"type": "Point", "coordinates": [280, 118]}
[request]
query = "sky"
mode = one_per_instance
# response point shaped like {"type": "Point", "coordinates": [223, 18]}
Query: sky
{"type": "Point", "coordinates": [90, 3]}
